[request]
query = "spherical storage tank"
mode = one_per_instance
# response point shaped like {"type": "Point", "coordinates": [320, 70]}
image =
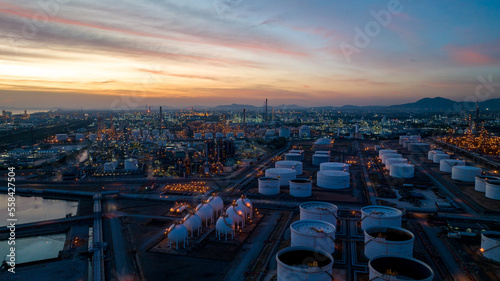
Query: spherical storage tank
{"type": "Point", "coordinates": [192, 222]}
{"type": "Point", "coordinates": [304, 263]}
{"type": "Point", "coordinates": [177, 234]}
{"type": "Point", "coordinates": [480, 184]}
{"type": "Point", "coordinates": [236, 214]}
{"type": "Point", "coordinates": [386, 156]}
{"type": "Point", "coordinates": [269, 186]}
{"type": "Point", "coordinates": [246, 205]}
{"type": "Point", "coordinates": [436, 158]}
{"type": "Point", "coordinates": [319, 211]}
{"type": "Point", "coordinates": [224, 226]}
{"type": "Point", "coordinates": [300, 187]}
{"type": "Point", "coordinates": [382, 240]}
{"type": "Point", "coordinates": [206, 212]}
{"type": "Point", "coordinates": [431, 153]}
{"type": "Point", "coordinates": [333, 179]}
{"type": "Point", "coordinates": [284, 174]}
{"type": "Point", "coordinates": [217, 204]}
{"type": "Point", "coordinates": [384, 151]}
{"type": "Point", "coordinates": [313, 233]}
{"type": "Point", "coordinates": [334, 166]}
{"type": "Point", "coordinates": [402, 171]}
{"type": "Point", "coordinates": [421, 147]}
{"type": "Point", "coordinates": [317, 159]}
{"type": "Point", "coordinates": [391, 161]}
{"type": "Point", "coordinates": [295, 165]}
{"type": "Point", "coordinates": [490, 245]}
{"type": "Point", "coordinates": [293, 157]}
{"type": "Point", "coordinates": [493, 189]}
{"type": "Point", "coordinates": [380, 216]}
{"type": "Point", "coordinates": [465, 173]}
{"type": "Point", "coordinates": [446, 165]}
{"type": "Point", "coordinates": [398, 268]}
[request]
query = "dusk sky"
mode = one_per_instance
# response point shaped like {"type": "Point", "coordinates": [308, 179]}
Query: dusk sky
{"type": "Point", "coordinates": [128, 53]}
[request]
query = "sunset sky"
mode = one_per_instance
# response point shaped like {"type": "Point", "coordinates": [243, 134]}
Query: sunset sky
{"type": "Point", "coordinates": [128, 53]}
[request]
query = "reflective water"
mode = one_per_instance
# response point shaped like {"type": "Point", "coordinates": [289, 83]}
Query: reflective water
{"type": "Point", "coordinates": [34, 248]}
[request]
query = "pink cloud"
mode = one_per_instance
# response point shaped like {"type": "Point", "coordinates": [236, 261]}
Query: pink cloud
{"type": "Point", "coordinates": [475, 55]}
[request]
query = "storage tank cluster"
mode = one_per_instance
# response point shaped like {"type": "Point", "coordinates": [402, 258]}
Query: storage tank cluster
{"type": "Point", "coordinates": [402, 171]}
{"type": "Point", "coordinates": [293, 157]}
{"type": "Point", "coordinates": [380, 216]}
{"type": "Point", "coordinates": [388, 240]}
{"type": "Point", "coordinates": [398, 268]}
{"type": "Point", "coordinates": [300, 187]}
{"type": "Point", "coordinates": [269, 186]}
{"type": "Point", "coordinates": [294, 165]}
{"type": "Point", "coordinates": [334, 166]}
{"type": "Point", "coordinates": [414, 138]}
{"type": "Point", "coordinates": [419, 147]}
{"type": "Point", "coordinates": [386, 156]}
{"type": "Point", "coordinates": [323, 144]}
{"type": "Point", "coordinates": [431, 153]}
{"type": "Point", "coordinates": [332, 179]}
{"type": "Point", "coordinates": [465, 173]}
{"type": "Point", "coordinates": [312, 242]}
{"type": "Point", "coordinates": [391, 161]}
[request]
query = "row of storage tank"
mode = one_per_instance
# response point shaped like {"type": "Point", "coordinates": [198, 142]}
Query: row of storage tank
{"type": "Point", "coordinates": [388, 246]}
{"type": "Point", "coordinates": [489, 185]}
{"type": "Point", "coordinates": [394, 162]}
{"type": "Point", "coordinates": [320, 156]}
{"type": "Point", "coordinates": [235, 216]}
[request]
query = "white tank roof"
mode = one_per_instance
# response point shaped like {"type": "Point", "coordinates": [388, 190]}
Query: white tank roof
{"type": "Point", "coordinates": [313, 227]}
{"type": "Point", "coordinates": [177, 233]}
{"type": "Point", "coordinates": [338, 166]}
{"type": "Point", "coordinates": [216, 202]}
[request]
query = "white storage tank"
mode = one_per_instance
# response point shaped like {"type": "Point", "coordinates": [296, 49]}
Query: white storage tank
{"type": "Point", "coordinates": [398, 268]}
{"type": "Point", "coordinates": [382, 240]}
{"type": "Point", "coordinates": [177, 234]}
{"type": "Point", "coordinates": [236, 214]}
{"type": "Point", "coordinates": [293, 157]}
{"type": "Point", "coordinates": [294, 165]}
{"type": "Point", "coordinates": [334, 166]}
{"type": "Point", "coordinates": [333, 179]}
{"type": "Point", "coordinates": [109, 167]}
{"type": "Point", "coordinates": [323, 144]}
{"type": "Point", "coordinates": [304, 131]}
{"type": "Point", "coordinates": [304, 263]}
{"type": "Point", "coordinates": [269, 186]}
{"type": "Point", "coordinates": [300, 187]}
{"type": "Point", "coordinates": [298, 151]}
{"type": "Point", "coordinates": [446, 165]}
{"type": "Point", "coordinates": [217, 204]}
{"type": "Point", "coordinates": [205, 212]}
{"type": "Point", "coordinates": [402, 171]}
{"type": "Point", "coordinates": [317, 159]}
{"type": "Point", "coordinates": [493, 189]}
{"type": "Point", "coordinates": [419, 147]}
{"type": "Point", "coordinates": [384, 151]}
{"type": "Point", "coordinates": [465, 173]}
{"type": "Point", "coordinates": [386, 156]}
{"type": "Point", "coordinates": [481, 181]}
{"type": "Point", "coordinates": [380, 216]}
{"type": "Point", "coordinates": [431, 153]}
{"type": "Point", "coordinates": [490, 245]}
{"type": "Point", "coordinates": [436, 158]}
{"type": "Point", "coordinates": [224, 227]}
{"type": "Point", "coordinates": [246, 205]}
{"type": "Point", "coordinates": [313, 233]}
{"type": "Point", "coordinates": [193, 223]}
{"type": "Point", "coordinates": [322, 152]}
{"type": "Point", "coordinates": [284, 174]}
{"type": "Point", "coordinates": [322, 211]}
{"type": "Point", "coordinates": [131, 165]}
{"type": "Point", "coordinates": [391, 161]}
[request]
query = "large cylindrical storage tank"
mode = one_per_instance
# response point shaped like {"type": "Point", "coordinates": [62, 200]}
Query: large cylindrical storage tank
{"type": "Point", "coordinates": [317, 159]}
{"type": "Point", "coordinates": [334, 166]}
{"type": "Point", "coordinates": [300, 187]}
{"type": "Point", "coordinates": [319, 211]}
{"type": "Point", "coordinates": [382, 240]}
{"type": "Point", "coordinates": [391, 161]}
{"type": "Point", "coordinates": [402, 139]}
{"type": "Point", "coordinates": [380, 216]}
{"type": "Point", "coordinates": [333, 179]}
{"type": "Point", "coordinates": [295, 165]}
{"type": "Point", "coordinates": [436, 158]}
{"type": "Point", "coordinates": [269, 186]}
{"type": "Point", "coordinates": [284, 174]}
{"type": "Point", "coordinates": [493, 189]}
{"type": "Point", "coordinates": [386, 156]}
{"type": "Point", "coordinates": [446, 165]}
{"type": "Point", "coordinates": [480, 184]}
{"type": "Point", "coordinates": [384, 151]}
{"type": "Point", "coordinates": [465, 173]}
{"type": "Point", "coordinates": [323, 144]}
{"type": "Point", "coordinates": [419, 147]}
{"type": "Point", "coordinates": [431, 153]}
{"type": "Point", "coordinates": [304, 263]}
{"type": "Point", "coordinates": [298, 151]}
{"type": "Point", "coordinates": [293, 157]}
{"type": "Point", "coordinates": [398, 268]}
{"type": "Point", "coordinates": [490, 245]}
{"type": "Point", "coordinates": [402, 171]}
{"type": "Point", "coordinates": [313, 233]}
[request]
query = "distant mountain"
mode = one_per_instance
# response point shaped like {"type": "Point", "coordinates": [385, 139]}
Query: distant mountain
{"type": "Point", "coordinates": [442, 104]}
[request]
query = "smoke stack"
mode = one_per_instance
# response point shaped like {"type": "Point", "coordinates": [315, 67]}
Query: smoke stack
{"type": "Point", "coordinates": [244, 115]}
